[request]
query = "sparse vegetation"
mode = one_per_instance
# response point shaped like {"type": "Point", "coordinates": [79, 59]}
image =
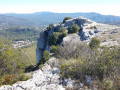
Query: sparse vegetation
{"type": "Point", "coordinates": [46, 56]}
{"type": "Point", "coordinates": [66, 18]}
{"type": "Point", "coordinates": [1, 44]}
{"type": "Point", "coordinates": [24, 77]}
{"type": "Point", "coordinates": [56, 38]}
{"type": "Point", "coordinates": [54, 49]}
{"type": "Point", "coordinates": [92, 27]}
{"type": "Point", "coordinates": [82, 61]}
{"type": "Point", "coordinates": [74, 29]}
{"type": "Point", "coordinates": [95, 43]}
{"type": "Point", "coordinates": [63, 30]}
{"type": "Point", "coordinates": [49, 27]}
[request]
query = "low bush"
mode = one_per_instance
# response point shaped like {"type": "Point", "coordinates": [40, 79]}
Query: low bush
{"type": "Point", "coordinates": [107, 85]}
{"type": "Point", "coordinates": [1, 44]}
{"type": "Point", "coordinates": [29, 68]}
{"type": "Point", "coordinates": [74, 29]}
{"type": "Point", "coordinates": [63, 30]}
{"type": "Point", "coordinates": [95, 43]}
{"type": "Point", "coordinates": [49, 27]}
{"type": "Point", "coordinates": [92, 27]}
{"type": "Point", "coordinates": [117, 82]}
{"type": "Point", "coordinates": [40, 66]}
{"type": "Point", "coordinates": [45, 56]}
{"type": "Point", "coordinates": [67, 18]}
{"type": "Point", "coordinates": [71, 50]}
{"type": "Point", "coordinates": [56, 38]}
{"type": "Point", "coordinates": [23, 77]}
{"type": "Point", "coordinates": [9, 79]}
{"type": "Point", "coordinates": [54, 49]}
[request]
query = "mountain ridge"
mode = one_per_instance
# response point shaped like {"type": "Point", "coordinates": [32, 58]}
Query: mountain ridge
{"type": "Point", "coordinates": [45, 18]}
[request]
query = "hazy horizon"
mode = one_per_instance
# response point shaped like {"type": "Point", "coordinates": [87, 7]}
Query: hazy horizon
{"type": "Point", "coordinates": [105, 7]}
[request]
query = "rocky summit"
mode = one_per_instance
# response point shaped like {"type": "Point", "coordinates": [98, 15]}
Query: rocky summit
{"type": "Point", "coordinates": [108, 34]}
{"type": "Point", "coordinates": [48, 77]}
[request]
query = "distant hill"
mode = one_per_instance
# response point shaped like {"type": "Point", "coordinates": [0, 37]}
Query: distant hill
{"type": "Point", "coordinates": [41, 19]}
{"type": "Point", "coordinates": [6, 21]}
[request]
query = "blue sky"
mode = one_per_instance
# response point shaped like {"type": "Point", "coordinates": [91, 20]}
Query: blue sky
{"type": "Point", "coordinates": [109, 7]}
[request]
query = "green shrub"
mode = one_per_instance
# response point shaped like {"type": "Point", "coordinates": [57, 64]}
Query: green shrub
{"type": "Point", "coordinates": [108, 84]}
{"type": "Point", "coordinates": [92, 27]}
{"type": "Point", "coordinates": [29, 68]}
{"type": "Point", "coordinates": [40, 66]}
{"type": "Point", "coordinates": [63, 30]}
{"type": "Point", "coordinates": [53, 40]}
{"type": "Point", "coordinates": [1, 44]}
{"type": "Point", "coordinates": [95, 43]}
{"type": "Point", "coordinates": [56, 38]}
{"type": "Point", "coordinates": [117, 82]}
{"type": "Point", "coordinates": [54, 49]}
{"type": "Point", "coordinates": [8, 80]}
{"type": "Point", "coordinates": [66, 18]}
{"type": "Point", "coordinates": [74, 29]}
{"type": "Point", "coordinates": [49, 27]}
{"type": "Point", "coordinates": [23, 77]}
{"type": "Point", "coordinates": [46, 56]}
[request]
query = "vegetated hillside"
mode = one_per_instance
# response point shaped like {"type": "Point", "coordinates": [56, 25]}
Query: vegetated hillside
{"type": "Point", "coordinates": [6, 21]}
{"type": "Point", "coordinates": [20, 33]}
{"type": "Point", "coordinates": [45, 18]}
